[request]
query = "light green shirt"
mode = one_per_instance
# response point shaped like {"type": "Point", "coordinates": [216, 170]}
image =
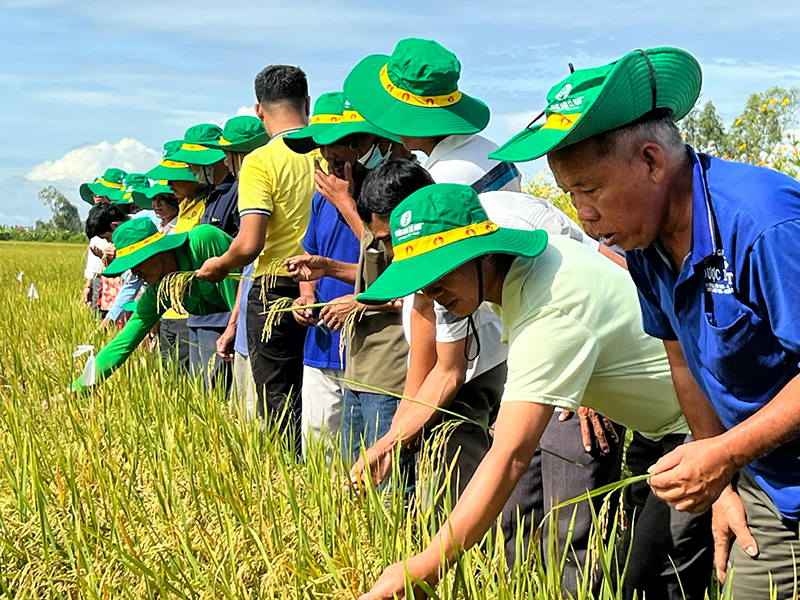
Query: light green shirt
{"type": "Point", "coordinates": [573, 324]}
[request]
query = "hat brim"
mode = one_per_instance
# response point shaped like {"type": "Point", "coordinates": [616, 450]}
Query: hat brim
{"type": "Point", "coordinates": [338, 131]}
{"type": "Point", "coordinates": [302, 141]}
{"type": "Point", "coordinates": [364, 90]}
{"type": "Point", "coordinates": [410, 275]}
{"type": "Point", "coordinates": [121, 264]}
{"type": "Point", "coordinates": [89, 190]}
{"type": "Point", "coordinates": [203, 158]}
{"type": "Point", "coordinates": [243, 147]}
{"type": "Point", "coordinates": [160, 172]}
{"type": "Point", "coordinates": [678, 80]}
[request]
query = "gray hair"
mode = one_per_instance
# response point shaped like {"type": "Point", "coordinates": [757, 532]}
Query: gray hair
{"type": "Point", "coordinates": [659, 129]}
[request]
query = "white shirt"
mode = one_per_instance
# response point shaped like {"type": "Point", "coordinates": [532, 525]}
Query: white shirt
{"type": "Point", "coordinates": [512, 210]}
{"type": "Point", "coordinates": [463, 159]}
{"type": "Point", "coordinates": [168, 228]}
{"type": "Point", "coordinates": [94, 265]}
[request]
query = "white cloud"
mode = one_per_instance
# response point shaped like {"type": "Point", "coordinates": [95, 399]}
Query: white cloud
{"type": "Point", "coordinates": [247, 111]}
{"type": "Point", "coordinates": [87, 162]}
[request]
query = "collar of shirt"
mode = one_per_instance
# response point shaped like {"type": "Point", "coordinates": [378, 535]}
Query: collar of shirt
{"type": "Point", "coordinates": [445, 147]}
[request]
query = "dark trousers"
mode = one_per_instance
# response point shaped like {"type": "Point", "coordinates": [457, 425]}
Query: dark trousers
{"type": "Point", "coordinates": [203, 359]}
{"type": "Point", "coordinates": [551, 480]}
{"type": "Point", "coordinates": [173, 340]}
{"type": "Point", "coordinates": [277, 363]}
{"type": "Point", "coordinates": [671, 553]}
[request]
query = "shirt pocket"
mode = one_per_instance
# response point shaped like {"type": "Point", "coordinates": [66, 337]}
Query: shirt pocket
{"type": "Point", "coordinates": [744, 356]}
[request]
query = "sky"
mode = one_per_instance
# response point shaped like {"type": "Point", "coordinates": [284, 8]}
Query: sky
{"type": "Point", "coordinates": [87, 85]}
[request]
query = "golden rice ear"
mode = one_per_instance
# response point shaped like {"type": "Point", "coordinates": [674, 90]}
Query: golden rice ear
{"type": "Point", "coordinates": [274, 314]}
{"type": "Point", "coordinates": [171, 290]}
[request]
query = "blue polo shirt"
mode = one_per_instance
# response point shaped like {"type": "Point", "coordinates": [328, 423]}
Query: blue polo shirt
{"type": "Point", "coordinates": [328, 235]}
{"type": "Point", "coordinates": [735, 305]}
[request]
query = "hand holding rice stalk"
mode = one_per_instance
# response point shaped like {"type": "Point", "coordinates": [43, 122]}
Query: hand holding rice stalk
{"type": "Point", "coordinates": [174, 286]}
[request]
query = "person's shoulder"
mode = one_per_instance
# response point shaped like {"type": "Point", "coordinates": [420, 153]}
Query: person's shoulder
{"type": "Point", "coordinates": [751, 195]}
{"type": "Point", "coordinates": [205, 232]}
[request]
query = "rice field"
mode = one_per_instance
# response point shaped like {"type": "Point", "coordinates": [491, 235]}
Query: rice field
{"type": "Point", "coordinates": [147, 487]}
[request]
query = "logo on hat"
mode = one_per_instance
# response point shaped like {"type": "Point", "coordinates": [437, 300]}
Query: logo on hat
{"type": "Point", "coordinates": [564, 91]}
{"type": "Point", "coordinates": [405, 219]}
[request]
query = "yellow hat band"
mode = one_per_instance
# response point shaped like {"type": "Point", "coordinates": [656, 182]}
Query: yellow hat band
{"type": "Point", "coordinates": [425, 244]}
{"type": "Point", "coordinates": [111, 184]}
{"type": "Point", "coordinates": [139, 245]}
{"type": "Point", "coordinates": [193, 147]}
{"type": "Point", "coordinates": [172, 164]}
{"type": "Point", "coordinates": [326, 119]}
{"type": "Point", "coordinates": [351, 116]}
{"type": "Point", "coordinates": [415, 100]}
{"type": "Point", "coordinates": [561, 122]}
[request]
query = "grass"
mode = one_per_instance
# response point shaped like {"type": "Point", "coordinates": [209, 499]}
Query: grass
{"type": "Point", "coordinates": [149, 488]}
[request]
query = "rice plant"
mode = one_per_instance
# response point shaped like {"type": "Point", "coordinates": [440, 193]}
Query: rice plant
{"type": "Point", "coordinates": [150, 487]}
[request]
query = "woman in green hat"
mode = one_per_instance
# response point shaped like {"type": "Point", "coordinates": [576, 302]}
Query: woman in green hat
{"type": "Point", "coordinates": [184, 186]}
{"type": "Point", "coordinates": [151, 255]}
{"type": "Point", "coordinates": [573, 325]}
{"type": "Point", "coordinates": [160, 199]}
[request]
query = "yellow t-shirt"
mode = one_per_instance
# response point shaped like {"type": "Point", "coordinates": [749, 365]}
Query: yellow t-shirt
{"type": "Point", "coordinates": [278, 183]}
{"type": "Point", "coordinates": [573, 324]}
{"type": "Point", "coordinates": [189, 214]}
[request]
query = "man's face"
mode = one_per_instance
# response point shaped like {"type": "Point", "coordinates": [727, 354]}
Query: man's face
{"type": "Point", "coordinates": [233, 161]}
{"type": "Point", "coordinates": [108, 235]}
{"type": "Point", "coordinates": [99, 199]}
{"type": "Point", "coordinates": [184, 189]}
{"type": "Point", "coordinates": [163, 209]}
{"type": "Point", "coordinates": [458, 290]}
{"type": "Point", "coordinates": [620, 198]}
{"type": "Point", "coordinates": [382, 232]}
{"type": "Point", "coordinates": [337, 155]}
{"type": "Point", "coordinates": [151, 270]}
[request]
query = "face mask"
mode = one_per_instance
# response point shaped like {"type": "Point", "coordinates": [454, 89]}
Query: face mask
{"type": "Point", "coordinates": [373, 158]}
{"type": "Point", "coordinates": [206, 175]}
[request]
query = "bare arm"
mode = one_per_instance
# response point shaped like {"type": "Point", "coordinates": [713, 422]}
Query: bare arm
{"type": "Point", "coordinates": [700, 415]}
{"type": "Point", "coordinates": [422, 352]}
{"type": "Point", "coordinates": [613, 256]}
{"type": "Point", "coordinates": [244, 249]}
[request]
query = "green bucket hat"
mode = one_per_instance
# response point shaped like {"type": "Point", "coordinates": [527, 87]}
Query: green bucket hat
{"type": "Point", "coordinates": [111, 185]}
{"type": "Point", "coordinates": [591, 101]}
{"type": "Point", "coordinates": [193, 150]}
{"type": "Point", "coordinates": [170, 169]}
{"type": "Point", "coordinates": [241, 134]}
{"type": "Point", "coordinates": [328, 109]}
{"type": "Point", "coordinates": [143, 196]}
{"type": "Point", "coordinates": [437, 229]}
{"type": "Point", "coordinates": [414, 92]}
{"type": "Point", "coordinates": [136, 241]}
{"type": "Point", "coordinates": [133, 181]}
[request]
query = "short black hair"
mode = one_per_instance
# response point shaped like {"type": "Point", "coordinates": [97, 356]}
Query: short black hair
{"type": "Point", "coordinates": [100, 218]}
{"type": "Point", "coordinates": [388, 185]}
{"type": "Point", "coordinates": [282, 83]}
{"type": "Point", "coordinates": [169, 199]}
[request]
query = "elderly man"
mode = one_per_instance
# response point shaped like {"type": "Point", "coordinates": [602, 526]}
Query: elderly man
{"type": "Point", "coordinates": [711, 246]}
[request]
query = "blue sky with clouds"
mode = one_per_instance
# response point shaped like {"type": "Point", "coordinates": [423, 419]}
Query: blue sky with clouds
{"type": "Point", "coordinates": [86, 85]}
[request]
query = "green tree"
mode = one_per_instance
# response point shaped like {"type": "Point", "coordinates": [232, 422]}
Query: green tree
{"type": "Point", "coordinates": [65, 214]}
{"type": "Point", "coordinates": [763, 124]}
{"type": "Point", "coordinates": [703, 129]}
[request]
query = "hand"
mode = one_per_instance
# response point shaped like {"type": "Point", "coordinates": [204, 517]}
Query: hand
{"type": "Point", "coordinates": [105, 324]}
{"type": "Point", "coordinates": [225, 343]}
{"type": "Point", "coordinates": [334, 315]}
{"type": "Point", "coordinates": [213, 270]}
{"type": "Point", "coordinates": [391, 584]}
{"type": "Point", "coordinates": [307, 267]}
{"type": "Point", "coordinates": [594, 426]}
{"type": "Point", "coordinates": [691, 477]}
{"type": "Point", "coordinates": [379, 459]}
{"type": "Point", "coordinates": [304, 316]}
{"type": "Point", "coordinates": [110, 253]}
{"type": "Point", "coordinates": [96, 251]}
{"type": "Point", "coordinates": [339, 192]}
{"type": "Point", "coordinates": [87, 295]}
{"type": "Point", "coordinates": [728, 521]}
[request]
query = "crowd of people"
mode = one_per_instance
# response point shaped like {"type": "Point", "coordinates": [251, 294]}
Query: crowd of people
{"type": "Point", "coordinates": [361, 272]}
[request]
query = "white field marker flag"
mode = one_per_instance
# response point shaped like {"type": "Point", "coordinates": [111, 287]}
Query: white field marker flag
{"type": "Point", "coordinates": [88, 375]}
{"type": "Point", "coordinates": [32, 293]}
{"type": "Point", "coordinates": [19, 277]}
